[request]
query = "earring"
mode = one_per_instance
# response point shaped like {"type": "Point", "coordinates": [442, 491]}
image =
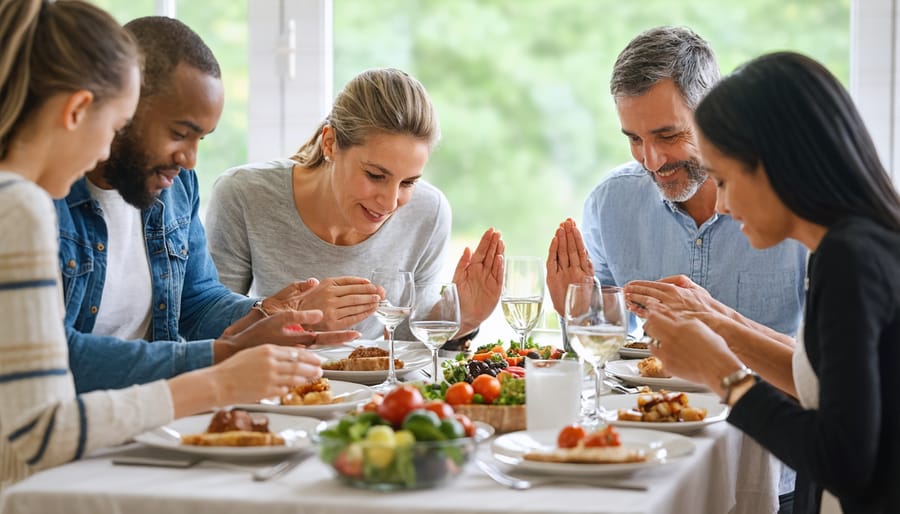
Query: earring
{"type": "Point", "coordinates": [327, 159]}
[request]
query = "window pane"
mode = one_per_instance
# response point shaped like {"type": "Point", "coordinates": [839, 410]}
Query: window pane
{"type": "Point", "coordinates": [521, 87]}
{"type": "Point", "coordinates": [126, 10]}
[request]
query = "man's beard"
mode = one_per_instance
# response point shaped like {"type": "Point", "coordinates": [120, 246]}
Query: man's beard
{"type": "Point", "coordinates": [682, 190]}
{"type": "Point", "coordinates": [128, 171]}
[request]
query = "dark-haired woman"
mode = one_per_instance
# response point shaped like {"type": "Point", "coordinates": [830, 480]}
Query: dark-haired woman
{"type": "Point", "coordinates": [792, 159]}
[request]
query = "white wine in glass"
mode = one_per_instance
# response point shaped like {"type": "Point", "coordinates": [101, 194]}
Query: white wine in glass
{"type": "Point", "coordinates": [596, 323]}
{"type": "Point", "coordinates": [399, 296]}
{"type": "Point", "coordinates": [522, 296]}
{"type": "Point", "coordinates": [435, 318]}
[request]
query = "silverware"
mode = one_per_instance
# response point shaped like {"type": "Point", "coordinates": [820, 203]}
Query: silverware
{"type": "Point", "coordinates": [281, 468]}
{"type": "Point", "coordinates": [520, 484]}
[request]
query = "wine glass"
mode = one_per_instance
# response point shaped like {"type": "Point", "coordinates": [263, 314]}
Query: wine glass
{"type": "Point", "coordinates": [596, 322]}
{"type": "Point", "coordinates": [435, 318]}
{"type": "Point", "coordinates": [399, 295]}
{"type": "Point", "coordinates": [522, 296]}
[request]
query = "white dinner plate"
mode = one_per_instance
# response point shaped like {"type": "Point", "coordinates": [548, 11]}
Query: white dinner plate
{"type": "Point", "coordinates": [627, 370]}
{"type": "Point", "coordinates": [661, 448]}
{"type": "Point", "coordinates": [415, 356]}
{"type": "Point", "coordinates": [633, 353]}
{"type": "Point", "coordinates": [715, 412]}
{"type": "Point", "coordinates": [294, 429]}
{"type": "Point", "coordinates": [353, 394]}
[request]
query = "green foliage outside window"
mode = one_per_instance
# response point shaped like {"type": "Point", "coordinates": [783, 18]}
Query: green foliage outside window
{"type": "Point", "coordinates": [521, 87]}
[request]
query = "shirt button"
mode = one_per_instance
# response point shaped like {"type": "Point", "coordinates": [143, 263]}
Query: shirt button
{"type": "Point", "coordinates": [162, 306]}
{"type": "Point", "coordinates": [71, 263]}
{"type": "Point", "coordinates": [699, 241]}
{"type": "Point", "coordinates": [100, 247]}
{"type": "Point", "coordinates": [94, 309]}
{"type": "Point", "coordinates": [184, 251]}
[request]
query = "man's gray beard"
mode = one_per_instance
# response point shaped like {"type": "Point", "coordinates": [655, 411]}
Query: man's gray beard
{"type": "Point", "coordinates": [695, 178]}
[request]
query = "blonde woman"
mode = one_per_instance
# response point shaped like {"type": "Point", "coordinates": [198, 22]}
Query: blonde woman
{"type": "Point", "coordinates": [70, 78]}
{"type": "Point", "coordinates": [350, 200]}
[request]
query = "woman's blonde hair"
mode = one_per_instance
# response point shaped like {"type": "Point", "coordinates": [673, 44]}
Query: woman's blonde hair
{"type": "Point", "coordinates": [48, 47]}
{"type": "Point", "coordinates": [383, 100]}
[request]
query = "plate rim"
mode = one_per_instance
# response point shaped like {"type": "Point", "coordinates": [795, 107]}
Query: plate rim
{"type": "Point", "coordinates": [671, 383]}
{"type": "Point", "coordinates": [671, 427]}
{"type": "Point", "coordinates": [309, 410]}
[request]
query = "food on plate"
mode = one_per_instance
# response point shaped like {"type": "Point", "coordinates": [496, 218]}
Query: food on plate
{"type": "Point", "coordinates": [574, 445]}
{"type": "Point", "coordinates": [313, 393]}
{"type": "Point", "coordinates": [494, 359]}
{"type": "Point", "coordinates": [638, 345]}
{"type": "Point", "coordinates": [662, 407]}
{"type": "Point", "coordinates": [235, 427]}
{"type": "Point", "coordinates": [363, 358]}
{"type": "Point", "coordinates": [652, 367]}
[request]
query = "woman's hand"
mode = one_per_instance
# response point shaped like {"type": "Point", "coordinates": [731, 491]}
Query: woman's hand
{"type": "Point", "coordinates": [567, 263]}
{"type": "Point", "coordinates": [263, 372]}
{"type": "Point", "coordinates": [479, 279]}
{"type": "Point", "coordinates": [285, 328]}
{"type": "Point", "coordinates": [677, 292]}
{"type": "Point", "coordinates": [689, 349]}
{"type": "Point", "coordinates": [344, 301]}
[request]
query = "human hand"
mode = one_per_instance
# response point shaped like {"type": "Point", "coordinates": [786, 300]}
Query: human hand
{"type": "Point", "coordinates": [567, 263]}
{"type": "Point", "coordinates": [679, 293]}
{"type": "Point", "coordinates": [263, 372]}
{"type": "Point", "coordinates": [288, 299]}
{"type": "Point", "coordinates": [689, 348]}
{"type": "Point", "coordinates": [344, 301]}
{"type": "Point", "coordinates": [283, 329]}
{"type": "Point", "coordinates": [479, 280]}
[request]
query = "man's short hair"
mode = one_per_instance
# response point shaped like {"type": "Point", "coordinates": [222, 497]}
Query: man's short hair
{"type": "Point", "coordinates": [661, 53]}
{"type": "Point", "coordinates": [166, 42]}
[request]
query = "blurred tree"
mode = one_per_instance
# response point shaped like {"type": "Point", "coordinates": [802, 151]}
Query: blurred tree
{"type": "Point", "coordinates": [522, 87]}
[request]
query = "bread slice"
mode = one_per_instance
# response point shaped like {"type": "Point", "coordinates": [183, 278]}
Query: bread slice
{"type": "Point", "coordinates": [589, 455]}
{"type": "Point", "coordinates": [233, 438]}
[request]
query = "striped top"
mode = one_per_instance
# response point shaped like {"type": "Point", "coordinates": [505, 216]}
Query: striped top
{"type": "Point", "coordinates": [42, 422]}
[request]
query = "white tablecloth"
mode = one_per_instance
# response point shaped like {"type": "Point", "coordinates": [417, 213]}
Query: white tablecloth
{"type": "Point", "coordinates": [708, 481]}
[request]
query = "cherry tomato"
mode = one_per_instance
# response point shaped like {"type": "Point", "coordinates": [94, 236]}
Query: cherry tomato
{"type": "Point", "coordinates": [440, 408]}
{"type": "Point", "coordinates": [569, 436]}
{"type": "Point", "coordinates": [606, 437]}
{"type": "Point", "coordinates": [487, 386]}
{"type": "Point", "coordinates": [467, 424]}
{"type": "Point", "coordinates": [460, 393]}
{"type": "Point", "coordinates": [373, 404]}
{"type": "Point", "coordinates": [397, 404]}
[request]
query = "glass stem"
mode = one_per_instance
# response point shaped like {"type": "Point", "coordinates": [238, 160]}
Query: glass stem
{"type": "Point", "coordinates": [598, 388]}
{"type": "Point", "coordinates": [392, 377]}
{"type": "Point", "coordinates": [434, 367]}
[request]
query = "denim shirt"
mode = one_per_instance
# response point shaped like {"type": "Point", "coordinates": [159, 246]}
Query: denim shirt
{"type": "Point", "coordinates": [633, 233]}
{"type": "Point", "coordinates": [189, 302]}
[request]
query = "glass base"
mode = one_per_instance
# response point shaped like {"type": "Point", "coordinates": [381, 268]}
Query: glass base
{"type": "Point", "coordinates": [387, 386]}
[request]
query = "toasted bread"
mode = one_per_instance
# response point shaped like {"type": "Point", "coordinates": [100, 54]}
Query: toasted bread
{"type": "Point", "coordinates": [233, 438]}
{"type": "Point", "coordinates": [592, 455]}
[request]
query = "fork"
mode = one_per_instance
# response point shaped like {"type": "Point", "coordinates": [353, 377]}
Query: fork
{"type": "Point", "coordinates": [520, 484]}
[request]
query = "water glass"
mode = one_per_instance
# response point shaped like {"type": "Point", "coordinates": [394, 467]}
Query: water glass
{"type": "Point", "coordinates": [435, 318]}
{"type": "Point", "coordinates": [552, 393]}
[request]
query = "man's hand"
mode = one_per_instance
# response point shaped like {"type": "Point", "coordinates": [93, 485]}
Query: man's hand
{"type": "Point", "coordinates": [479, 279]}
{"type": "Point", "coordinates": [567, 263]}
{"type": "Point", "coordinates": [284, 329]}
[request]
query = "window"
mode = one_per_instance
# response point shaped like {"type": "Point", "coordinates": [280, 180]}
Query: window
{"type": "Point", "coordinates": [521, 86]}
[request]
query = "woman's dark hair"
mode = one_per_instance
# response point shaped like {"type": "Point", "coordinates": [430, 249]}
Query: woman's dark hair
{"type": "Point", "coordinates": [790, 114]}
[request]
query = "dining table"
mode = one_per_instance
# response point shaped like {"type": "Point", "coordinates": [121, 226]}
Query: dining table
{"type": "Point", "coordinates": [720, 476]}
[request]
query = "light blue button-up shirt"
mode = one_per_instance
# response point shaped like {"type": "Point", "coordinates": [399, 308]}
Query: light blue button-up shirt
{"type": "Point", "coordinates": [633, 233]}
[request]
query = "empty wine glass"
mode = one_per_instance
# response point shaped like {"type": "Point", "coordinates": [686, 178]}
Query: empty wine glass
{"type": "Point", "coordinates": [596, 323]}
{"type": "Point", "coordinates": [435, 318]}
{"type": "Point", "coordinates": [522, 296]}
{"type": "Point", "coordinates": [399, 295]}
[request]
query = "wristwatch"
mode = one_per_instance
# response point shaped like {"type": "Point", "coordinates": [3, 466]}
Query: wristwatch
{"type": "Point", "coordinates": [732, 379]}
{"type": "Point", "coordinates": [258, 306]}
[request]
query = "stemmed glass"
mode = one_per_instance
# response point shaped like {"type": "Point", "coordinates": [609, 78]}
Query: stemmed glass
{"type": "Point", "coordinates": [435, 318]}
{"type": "Point", "coordinates": [399, 295]}
{"type": "Point", "coordinates": [596, 322]}
{"type": "Point", "coordinates": [522, 295]}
